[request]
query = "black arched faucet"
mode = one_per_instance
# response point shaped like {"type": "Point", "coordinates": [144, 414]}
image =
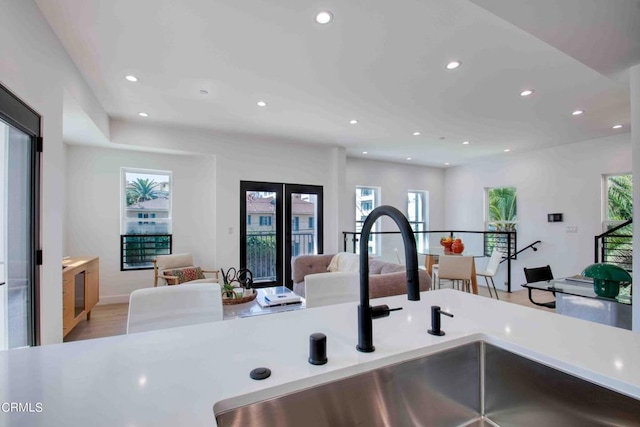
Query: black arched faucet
{"type": "Point", "coordinates": [366, 313]}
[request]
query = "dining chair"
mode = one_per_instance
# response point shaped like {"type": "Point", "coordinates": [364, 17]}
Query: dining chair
{"type": "Point", "coordinates": [331, 288]}
{"type": "Point", "coordinates": [172, 306]}
{"type": "Point", "coordinates": [457, 268]}
{"type": "Point", "coordinates": [539, 274]}
{"type": "Point", "coordinates": [491, 270]}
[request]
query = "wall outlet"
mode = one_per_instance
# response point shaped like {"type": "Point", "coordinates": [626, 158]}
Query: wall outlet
{"type": "Point", "coordinates": [572, 228]}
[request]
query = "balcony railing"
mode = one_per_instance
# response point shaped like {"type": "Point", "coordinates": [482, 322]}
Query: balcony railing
{"type": "Point", "coordinates": [137, 251]}
{"type": "Point", "coordinates": [615, 246]}
{"type": "Point", "coordinates": [262, 252]}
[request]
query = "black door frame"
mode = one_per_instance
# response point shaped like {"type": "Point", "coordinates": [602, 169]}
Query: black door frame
{"type": "Point", "coordinates": [273, 188]}
{"type": "Point", "coordinates": [290, 189]}
{"type": "Point", "coordinates": [283, 219]}
{"type": "Point", "coordinates": [19, 115]}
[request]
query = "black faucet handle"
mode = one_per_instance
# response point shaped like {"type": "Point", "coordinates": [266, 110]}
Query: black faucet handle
{"type": "Point", "coordinates": [378, 311]}
{"type": "Point", "coordinates": [436, 311]}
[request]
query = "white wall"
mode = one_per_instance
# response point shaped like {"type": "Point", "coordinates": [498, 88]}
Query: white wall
{"type": "Point", "coordinates": [247, 158]}
{"type": "Point", "coordinates": [394, 180]}
{"type": "Point", "coordinates": [93, 211]}
{"type": "Point", "coordinates": [565, 179]}
{"type": "Point", "coordinates": [34, 66]}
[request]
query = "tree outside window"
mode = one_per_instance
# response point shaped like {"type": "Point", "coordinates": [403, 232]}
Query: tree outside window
{"type": "Point", "coordinates": [617, 209]}
{"type": "Point", "coordinates": [501, 215]}
{"type": "Point", "coordinates": [502, 206]}
{"type": "Point", "coordinates": [619, 199]}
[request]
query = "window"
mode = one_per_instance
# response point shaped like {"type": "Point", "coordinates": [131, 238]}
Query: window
{"type": "Point", "coordinates": [502, 211]}
{"type": "Point", "coordinates": [146, 211]}
{"type": "Point", "coordinates": [295, 223]}
{"type": "Point", "coordinates": [310, 223]}
{"type": "Point", "coordinates": [617, 200]}
{"type": "Point", "coordinates": [417, 214]}
{"type": "Point", "coordinates": [617, 208]}
{"type": "Point", "coordinates": [248, 219]}
{"type": "Point", "coordinates": [265, 221]}
{"type": "Point", "coordinates": [367, 199]}
{"type": "Point", "coordinates": [501, 215]}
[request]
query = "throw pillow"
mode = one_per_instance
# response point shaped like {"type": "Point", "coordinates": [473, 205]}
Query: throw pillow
{"type": "Point", "coordinates": [185, 274]}
{"type": "Point", "coordinates": [344, 261]}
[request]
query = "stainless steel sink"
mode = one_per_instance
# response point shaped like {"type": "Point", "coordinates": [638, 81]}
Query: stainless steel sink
{"type": "Point", "coordinates": [472, 385]}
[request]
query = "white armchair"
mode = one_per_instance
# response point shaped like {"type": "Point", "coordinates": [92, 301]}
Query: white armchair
{"type": "Point", "coordinates": [179, 268]}
{"type": "Point", "coordinates": [172, 306]}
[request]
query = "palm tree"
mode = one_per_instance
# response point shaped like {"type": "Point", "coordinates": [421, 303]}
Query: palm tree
{"type": "Point", "coordinates": [619, 208]}
{"type": "Point", "coordinates": [503, 208]}
{"type": "Point", "coordinates": [144, 189]}
{"type": "Point", "coordinates": [620, 198]}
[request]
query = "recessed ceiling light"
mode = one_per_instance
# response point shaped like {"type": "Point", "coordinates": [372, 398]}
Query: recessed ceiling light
{"type": "Point", "coordinates": [617, 126]}
{"type": "Point", "coordinates": [577, 112]}
{"type": "Point", "coordinates": [324, 17]}
{"type": "Point", "coordinates": [453, 65]}
{"type": "Point", "coordinates": [506, 150]}
{"type": "Point", "coordinates": [204, 92]}
{"type": "Point", "coordinates": [447, 163]}
{"type": "Point", "coordinates": [131, 78]}
{"type": "Point", "coordinates": [465, 142]}
{"type": "Point", "coordinates": [143, 114]}
{"type": "Point", "coordinates": [365, 152]}
{"type": "Point", "coordinates": [408, 158]}
{"type": "Point", "coordinates": [353, 122]}
{"type": "Point", "coordinates": [416, 134]}
{"type": "Point", "coordinates": [526, 92]}
{"type": "Point", "coordinates": [262, 104]}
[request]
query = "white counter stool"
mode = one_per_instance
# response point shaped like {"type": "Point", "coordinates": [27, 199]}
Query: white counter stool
{"type": "Point", "coordinates": [172, 306]}
{"type": "Point", "coordinates": [491, 270]}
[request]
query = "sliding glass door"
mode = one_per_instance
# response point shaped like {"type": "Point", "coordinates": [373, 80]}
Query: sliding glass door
{"type": "Point", "coordinates": [279, 221]}
{"type": "Point", "coordinates": [19, 160]}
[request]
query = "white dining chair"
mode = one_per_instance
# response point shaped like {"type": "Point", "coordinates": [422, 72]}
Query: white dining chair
{"type": "Point", "coordinates": [331, 288]}
{"type": "Point", "coordinates": [456, 268]}
{"type": "Point", "coordinates": [173, 306]}
{"type": "Point", "coordinates": [491, 270]}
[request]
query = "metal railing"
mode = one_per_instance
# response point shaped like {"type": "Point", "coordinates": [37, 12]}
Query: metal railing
{"type": "Point", "coordinates": [262, 252]}
{"type": "Point", "coordinates": [615, 246]}
{"type": "Point", "coordinates": [137, 251]}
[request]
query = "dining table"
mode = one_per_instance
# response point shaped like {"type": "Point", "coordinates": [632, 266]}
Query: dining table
{"type": "Point", "coordinates": [431, 258]}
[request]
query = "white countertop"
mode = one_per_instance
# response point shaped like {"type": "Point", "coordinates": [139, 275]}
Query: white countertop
{"type": "Point", "coordinates": [175, 376]}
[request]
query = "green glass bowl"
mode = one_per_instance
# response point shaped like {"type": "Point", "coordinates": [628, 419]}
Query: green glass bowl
{"type": "Point", "coordinates": [607, 279]}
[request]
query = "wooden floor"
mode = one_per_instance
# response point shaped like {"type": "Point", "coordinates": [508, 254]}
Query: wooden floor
{"type": "Point", "coordinates": [109, 320]}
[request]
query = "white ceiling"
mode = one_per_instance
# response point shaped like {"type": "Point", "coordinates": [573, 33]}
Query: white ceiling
{"type": "Point", "coordinates": [378, 61]}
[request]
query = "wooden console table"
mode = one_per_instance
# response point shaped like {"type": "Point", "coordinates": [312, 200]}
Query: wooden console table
{"type": "Point", "coordinates": [80, 290]}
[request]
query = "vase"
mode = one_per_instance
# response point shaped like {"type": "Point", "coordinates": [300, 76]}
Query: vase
{"type": "Point", "coordinates": [457, 247]}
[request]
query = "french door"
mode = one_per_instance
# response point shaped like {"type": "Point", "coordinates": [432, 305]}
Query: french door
{"type": "Point", "coordinates": [279, 221]}
{"type": "Point", "coordinates": [19, 206]}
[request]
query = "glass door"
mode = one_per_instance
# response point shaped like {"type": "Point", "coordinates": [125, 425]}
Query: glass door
{"type": "Point", "coordinates": [303, 216]}
{"type": "Point", "coordinates": [19, 165]}
{"type": "Point", "coordinates": [261, 231]}
{"type": "Point", "coordinates": [279, 221]}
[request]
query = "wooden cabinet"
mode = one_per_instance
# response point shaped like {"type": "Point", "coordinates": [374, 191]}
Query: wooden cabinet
{"type": "Point", "coordinates": [80, 290]}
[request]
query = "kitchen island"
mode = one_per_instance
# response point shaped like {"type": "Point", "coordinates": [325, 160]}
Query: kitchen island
{"type": "Point", "coordinates": [174, 377]}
